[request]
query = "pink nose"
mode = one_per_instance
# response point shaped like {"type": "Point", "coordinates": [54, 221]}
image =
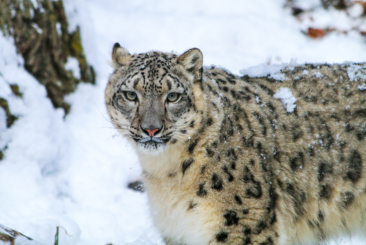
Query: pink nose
{"type": "Point", "coordinates": [152, 132]}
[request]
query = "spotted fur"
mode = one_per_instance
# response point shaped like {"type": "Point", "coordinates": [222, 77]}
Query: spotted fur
{"type": "Point", "coordinates": [230, 164]}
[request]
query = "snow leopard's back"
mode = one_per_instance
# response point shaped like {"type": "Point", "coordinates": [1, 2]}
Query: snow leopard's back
{"type": "Point", "coordinates": [306, 160]}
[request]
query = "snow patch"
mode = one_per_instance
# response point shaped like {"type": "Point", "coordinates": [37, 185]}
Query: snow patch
{"type": "Point", "coordinates": [38, 29]}
{"type": "Point", "coordinates": [278, 76]}
{"type": "Point", "coordinates": [317, 74]}
{"type": "Point", "coordinates": [2, 120]}
{"type": "Point", "coordinates": [72, 64]}
{"type": "Point", "coordinates": [356, 72]}
{"type": "Point", "coordinates": [58, 28]}
{"type": "Point", "coordinates": [307, 4]}
{"type": "Point", "coordinates": [287, 99]}
{"type": "Point", "coordinates": [362, 87]}
{"type": "Point", "coordinates": [264, 69]}
{"type": "Point", "coordinates": [5, 231]}
{"type": "Point", "coordinates": [34, 3]}
{"type": "Point", "coordinates": [355, 11]}
{"type": "Point", "coordinates": [20, 240]}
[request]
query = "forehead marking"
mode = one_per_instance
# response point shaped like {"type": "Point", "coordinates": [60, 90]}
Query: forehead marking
{"type": "Point", "coordinates": [128, 77]}
{"type": "Point", "coordinates": [157, 66]}
{"type": "Point", "coordinates": [162, 77]}
{"type": "Point", "coordinates": [137, 80]}
{"type": "Point", "coordinates": [169, 85]}
{"type": "Point", "coordinates": [176, 80]}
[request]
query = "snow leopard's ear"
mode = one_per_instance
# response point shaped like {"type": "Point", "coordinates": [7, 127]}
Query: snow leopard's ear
{"type": "Point", "coordinates": [120, 56]}
{"type": "Point", "coordinates": [192, 61]}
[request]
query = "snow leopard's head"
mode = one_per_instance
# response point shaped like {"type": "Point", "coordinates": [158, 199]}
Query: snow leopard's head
{"type": "Point", "coordinates": [150, 96]}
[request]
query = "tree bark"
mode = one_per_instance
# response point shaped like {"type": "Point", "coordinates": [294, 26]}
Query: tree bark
{"type": "Point", "coordinates": [41, 36]}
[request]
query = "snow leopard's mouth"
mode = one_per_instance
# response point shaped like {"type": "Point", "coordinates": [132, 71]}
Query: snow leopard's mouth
{"type": "Point", "coordinates": [151, 146]}
{"type": "Point", "coordinates": [152, 142]}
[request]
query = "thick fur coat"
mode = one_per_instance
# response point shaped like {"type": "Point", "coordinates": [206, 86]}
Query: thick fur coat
{"type": "Point", "coordinates": [229, 164]}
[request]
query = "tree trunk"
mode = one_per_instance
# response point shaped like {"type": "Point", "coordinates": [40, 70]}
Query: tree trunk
{"type": "Point", "coordinates": [41, 36]}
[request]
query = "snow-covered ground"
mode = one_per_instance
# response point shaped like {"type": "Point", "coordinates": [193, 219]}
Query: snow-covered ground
{"type": "Point", "coordinates": [74, 172]}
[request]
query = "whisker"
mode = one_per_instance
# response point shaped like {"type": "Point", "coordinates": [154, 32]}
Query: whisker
{"type": "Point", "coordinates": [123, 127]}
{"type": "Point", "coordinates": [180, 138]}
{"type": "Point", "coordinates": [186, 121]}
{"type": "Point", "coordinates": [119, 124]}
{"type": "Point", "coordinates": [102, 113]}
{"type": "Point", "coordinates": [111, 120]}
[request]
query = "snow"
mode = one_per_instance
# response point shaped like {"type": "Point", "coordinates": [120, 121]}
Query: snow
{"type": "Point", "coordinates": [356, 72]}
{"type": "Point", "coordinates": [3, 230]}
{"type": "Point", "coordinates": [72, 64]}
{"type": "Point", "coordinates": [20, 240]}
{"type": "Point", "coordinates": [317, 74]}
{"type": "Point", "coordinates": [24, 241]}
{"type": "Point", "coordinates": [58, 29]}
{"type": "Point", "coordinates": [287, 99]}
{"type": "Point", "coordinates": [38, 29]}
{"type": "Point", "coordinates": [73, 172]}
{"type": "Point", "coordinates": [34, 3]}
{"type": "Point", "coordinates": [362, 87]}
{"type": "Point", "coordinates": [307, 4]}
{"type": "Point", "coordinates": [264, 69]}
{"type": "Point", "coordinates": [355, 10]}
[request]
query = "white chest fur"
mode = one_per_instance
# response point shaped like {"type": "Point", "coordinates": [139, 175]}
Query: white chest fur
{"type": "Point", "coordinates": [170, 201]}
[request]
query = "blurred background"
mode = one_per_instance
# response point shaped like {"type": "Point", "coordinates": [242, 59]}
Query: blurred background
{"type": "Point", "coordinates": [61, 162]}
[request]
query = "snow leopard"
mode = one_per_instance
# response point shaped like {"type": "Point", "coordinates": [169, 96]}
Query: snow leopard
{"type": "Point", "coordinates": [226, 161]}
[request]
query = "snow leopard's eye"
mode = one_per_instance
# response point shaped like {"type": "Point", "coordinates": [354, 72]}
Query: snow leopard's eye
{"type": "Point", "coordinates": [173, 97]}
{"type": "Point", "coordinates": [132, 96]}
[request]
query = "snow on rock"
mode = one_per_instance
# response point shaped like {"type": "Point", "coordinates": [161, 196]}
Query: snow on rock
{"type": "Point", "coordinates": [72, 64]}
{"type": "Point", "coordinates": [355, 11]}
{"type": "Point", "coordinates": [356, 72]}
{"type": "Point", "coordinates": [38, 29]}
{"type": "Point", "coordinates": [19, 238]}
{"type": "Point", "coordinates": [362, 87]}
{"type": "Point", "coordinates": [35, 3]}
{"type": "Point", "coordinates": [5, 231]}
{"type": "Point", "coordinates": [316, 16]}
{"type": "Point", "coordinates": [78, 15]}
{"type": "Point", "coordinates": [264, 69]}
{"type": "Point", "coordinates": [307, 4]}
{"type": "Point", "coordinates": [317, 74]}
{"type": "Point", "coordinates": [2, 119]}
{"type": "Point", "coordinates": [287, 99]}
